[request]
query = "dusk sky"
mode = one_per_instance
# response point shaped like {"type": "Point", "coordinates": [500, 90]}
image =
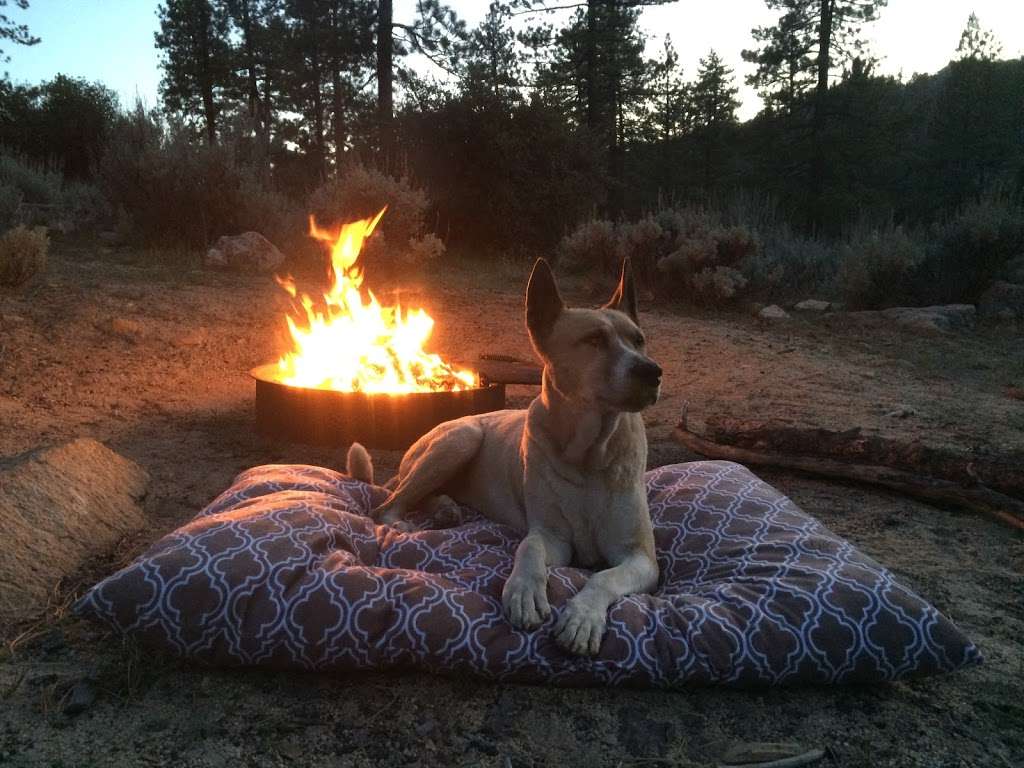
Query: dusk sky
{"type": "Point", "coordinates": [112, 40]}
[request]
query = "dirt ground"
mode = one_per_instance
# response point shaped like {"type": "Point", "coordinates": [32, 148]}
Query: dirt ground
{"type": "Point", "coordinates": [166, 385]}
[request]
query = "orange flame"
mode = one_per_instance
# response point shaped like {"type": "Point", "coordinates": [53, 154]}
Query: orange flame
{"type": "Point", "coordinates": [352, 345]}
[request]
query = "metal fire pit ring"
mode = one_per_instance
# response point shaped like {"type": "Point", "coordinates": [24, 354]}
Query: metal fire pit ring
{"type": "Point", "coordinates": [328, 417]}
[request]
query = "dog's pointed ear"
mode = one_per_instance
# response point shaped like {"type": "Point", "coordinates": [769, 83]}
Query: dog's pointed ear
{"type": "Point", "coordinates": [543, 301]}
{"type": "Point", "coordinates": [624, 298]}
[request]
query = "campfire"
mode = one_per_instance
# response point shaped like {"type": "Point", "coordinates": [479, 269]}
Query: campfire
{"type": "Point", "coordinates": [350, 343]}
{"type": "Point", "coordinates": [358, 370]}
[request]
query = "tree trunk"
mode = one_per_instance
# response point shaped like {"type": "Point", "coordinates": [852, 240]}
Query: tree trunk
{"type": "Point", "coordinates": [205, 75]}
{"type": "Point", "coordinates": [819, 164]}
{"type": "Point", "coordinates": [256, 111]}
{"type": "Point", "coordinates": [590, 74]}
{"type": "Point", "coordinates": [385, 76]}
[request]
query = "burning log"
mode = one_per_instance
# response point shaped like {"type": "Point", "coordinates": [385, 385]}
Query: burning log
{"type": "Point", "coordinates": [993, 485]}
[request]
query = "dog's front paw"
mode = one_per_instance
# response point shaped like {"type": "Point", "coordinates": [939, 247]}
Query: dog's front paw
{"type": "Point", "coordinates": [525, 601]}
{"type": "Point", "coordinates": [580, 628]}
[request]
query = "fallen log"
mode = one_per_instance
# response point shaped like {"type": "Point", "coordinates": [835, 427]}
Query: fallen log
{"type": "Point", "coordinates": [505, 369]}
{"type": "Point", "coordinates": [973, 495]}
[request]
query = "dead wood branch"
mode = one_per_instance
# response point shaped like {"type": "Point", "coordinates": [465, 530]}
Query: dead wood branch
{"type": "Point", "coordinates": [835, 454]}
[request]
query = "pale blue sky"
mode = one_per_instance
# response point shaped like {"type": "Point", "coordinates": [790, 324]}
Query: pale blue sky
{"type": "Point", "coordinates": [112, 40]}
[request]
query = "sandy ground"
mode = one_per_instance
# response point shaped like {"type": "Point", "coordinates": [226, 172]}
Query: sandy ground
{"type": "Point", "coordinates": [168, 388]}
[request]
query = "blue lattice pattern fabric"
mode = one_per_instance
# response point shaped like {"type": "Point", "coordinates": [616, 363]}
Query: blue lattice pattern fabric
{"type": "Point", "coordinates": [285, 569]}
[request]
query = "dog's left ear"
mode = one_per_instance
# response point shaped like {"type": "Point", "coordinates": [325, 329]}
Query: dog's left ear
{"type": "Point", "coordinates": [624, 298]}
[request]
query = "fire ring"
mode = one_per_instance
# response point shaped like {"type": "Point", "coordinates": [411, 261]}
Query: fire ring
{"type": "Point", "coordinates": [329, 417]}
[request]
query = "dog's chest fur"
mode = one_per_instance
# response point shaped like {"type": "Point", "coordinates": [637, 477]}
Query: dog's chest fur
{"type": "Point", "coordinates": [592, 484]}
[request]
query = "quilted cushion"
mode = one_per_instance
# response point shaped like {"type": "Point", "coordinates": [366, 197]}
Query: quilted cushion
{"type": "Point", "coordinates": [284, 569]}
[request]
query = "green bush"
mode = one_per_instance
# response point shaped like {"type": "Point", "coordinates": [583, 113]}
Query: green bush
{"type": "Point", "coordinates": [84, 204]}
{"type": "Point", "coordinates": [358, 193]}
{"type": "Point", "coordinates": [591, 249]}
{"type": "Point", "coordinates": [10, 205]}
{"type": "Point", "coordinates": [980, 244]}
{"type": "Point", "coordinates": [878, 267]}
{"type": "Point", "coordinates": [176, 192]}
{"type": "Point", "coordinates": [37, 185]}
{"type": "Point", "coordinates": [22, 255]}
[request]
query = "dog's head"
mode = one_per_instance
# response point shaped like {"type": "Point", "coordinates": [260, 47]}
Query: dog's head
{"type": "Point", "coordinates": [595, 357]}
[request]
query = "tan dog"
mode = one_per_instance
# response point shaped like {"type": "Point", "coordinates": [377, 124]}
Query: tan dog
{"type": "Point", "coordinates": [567, 472]}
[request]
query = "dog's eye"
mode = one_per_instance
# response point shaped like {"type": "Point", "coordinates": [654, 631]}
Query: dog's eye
{"type": "Point", "coordinates": [596, 339]}
{"type": "Point", "coordinates": [639, 340]}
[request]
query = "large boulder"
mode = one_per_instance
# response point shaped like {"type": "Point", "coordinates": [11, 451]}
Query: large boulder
{"type": "Point", "coordinates": [1002, 301]}
{"type": "Point", "coordinates": [59, 506]}
{"type": "Point", "coordinates": [247, 252]}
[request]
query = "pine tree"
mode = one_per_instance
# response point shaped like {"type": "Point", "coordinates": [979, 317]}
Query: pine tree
{"type": "Point", "coordinates": [490, 63]}
{"type": "Point", "coordinates": [713, 94]}
{"type": "Point", "coordinates": [16, 33]}
{"type": "Point", "coordinates": [196, 59]}
{"type": "Point", "coordinates": [978, 43]}
{"type": "Point", "coordinates": [785, 63]}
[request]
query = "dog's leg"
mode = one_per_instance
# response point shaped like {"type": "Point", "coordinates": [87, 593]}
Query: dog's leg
{"type": "Point", "coordinates": [525, 595]}
{"type": "Point", "coordinates": [582, 623]}
{"type": "Point", "coordinates": [447, 449]}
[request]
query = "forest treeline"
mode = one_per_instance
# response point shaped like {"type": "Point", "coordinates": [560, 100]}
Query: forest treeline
{"type": "Point", "coordinates": [545, 115]}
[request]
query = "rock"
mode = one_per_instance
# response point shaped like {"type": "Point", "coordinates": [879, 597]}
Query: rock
{"type": "Point", "coordinates": [1003, 302]}
{"type": "Point", "coordinates": [110, 237]}
{"type": "Point", "coordinates": [248, 252]}
{"type": "Point", "coordinates": [82, 697]}
{"type": "Point", "coordinates": [813, 305]}
{"type": "Point", "coordinates": [125, 327]}
{"type": "Point", "coordinates": [773, 312]}
{"type": "Point", "coordinates": [929, 320]}
{"type": "Point", "coordinates": [59, 506]}
{"type": "Point", "coordinates": [195, 337]}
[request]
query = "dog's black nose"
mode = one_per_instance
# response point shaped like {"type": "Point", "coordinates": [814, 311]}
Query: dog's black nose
{"type": "Point", "coordinates": [648, 372]}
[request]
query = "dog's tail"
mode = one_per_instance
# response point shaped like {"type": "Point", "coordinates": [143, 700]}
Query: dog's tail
{"type": "Point", "coordinates": [358, 463]}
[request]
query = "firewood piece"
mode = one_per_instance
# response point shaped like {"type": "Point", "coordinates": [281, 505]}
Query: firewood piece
{"type": "Point", "coordinates": [505, 369]}
{"type": "Point", "coordinates": [977, 498]}
{"type": "Point", "coordinates": [1003, 472]}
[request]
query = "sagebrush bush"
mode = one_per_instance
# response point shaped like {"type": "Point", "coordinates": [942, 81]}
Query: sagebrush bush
{"type": "Point", "coordinates": [676, 253]}
{"type": "Point", "coordinates": [982, 243]}
{"type": "Point", "coordinates": [591, 249]}
{"type": "Point", "coordinates": [37, 185]}
{"type": "Point", "coordinates": [85, 204]}
{"type": "Point", "coordinates": [877, 268]}
{"type": "Point", "coordinates": [10, 205]}
{"type": "Point", "coordinates": [22, 255]}
{"type": "Point", "coordinates": [359, 192]}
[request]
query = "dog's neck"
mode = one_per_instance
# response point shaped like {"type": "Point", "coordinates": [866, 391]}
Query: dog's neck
{"type": "Point", "coordinates": [580, 431]}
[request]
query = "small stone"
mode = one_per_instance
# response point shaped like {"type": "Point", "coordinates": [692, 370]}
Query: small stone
{"type": "Point", "coordinates": [773, 312]}
{"type": "Point", "coordinates": [426, 728]}
{"type": "Point", "coordinates": [125, 328]}
{"type": "Point", "coordinates": [901, 413]}
{"type": "Point", "coordinates": [813, 305]}
{"type": "Point", "coordinates": [82, 697]}
{"type": "Point", "coordinates": [193, 338]}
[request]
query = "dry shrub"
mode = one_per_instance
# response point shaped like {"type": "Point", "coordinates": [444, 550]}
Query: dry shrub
{"type": "Point", "coordinates": [359, 193]}
{"type": "Point", "coordinates": [22, 255]}
{"type": "Point", "coordinates": [702, 260]}
{"type": "Point", "coordinates": [877, 267]}
{"type": "Point", "coordinates": [592, 249]}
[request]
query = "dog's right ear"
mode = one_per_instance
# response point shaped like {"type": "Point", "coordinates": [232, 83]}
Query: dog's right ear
{"type": "Point", "coordinates": [543, 302]}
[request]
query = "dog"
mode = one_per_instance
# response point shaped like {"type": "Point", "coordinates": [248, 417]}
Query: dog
{"type": "Point", "coordinates": [567, 472]}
